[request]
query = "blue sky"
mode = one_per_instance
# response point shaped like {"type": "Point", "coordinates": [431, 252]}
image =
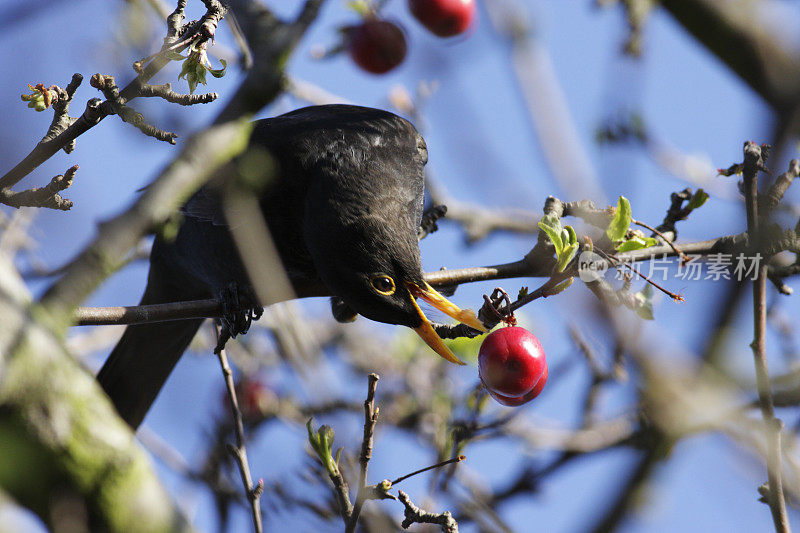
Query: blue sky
{"type": "Point", "coordinates": [484, 149]}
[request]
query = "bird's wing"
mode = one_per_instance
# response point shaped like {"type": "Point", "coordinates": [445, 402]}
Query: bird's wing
{"type": "Point", "coordinates": [205, 204]}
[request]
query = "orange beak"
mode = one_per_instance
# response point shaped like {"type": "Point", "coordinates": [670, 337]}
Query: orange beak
{"type": "Point", "coordinates": [426, 331]}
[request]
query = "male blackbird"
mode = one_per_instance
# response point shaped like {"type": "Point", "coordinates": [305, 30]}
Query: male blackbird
{"type": "Point", "coordinates": [343, 201]}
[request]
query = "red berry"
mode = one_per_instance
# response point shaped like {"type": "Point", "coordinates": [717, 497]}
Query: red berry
{"type": "Point", "coordinates": [512, 401]}
{"type": "Point", "coordinates": [508, 401]}
{"type": "Point", "coordinates": [253, 397]}
{"type": "Point", "coordinates": [511, 362]}
{"type": "Point", "coordinates": [376, 45]}
{"type": "Point", "coordinates": [444, 18]}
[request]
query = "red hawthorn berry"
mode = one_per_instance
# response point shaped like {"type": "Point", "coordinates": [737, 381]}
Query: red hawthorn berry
{"type": "Point", "coordinates": [253, 397]}
{"type": "Point", "coordinates": [511, 363]}
{"type": "Point", "coordinates": [376, 45]}
{"type": "Point", "coordinates": [444, 18]}
{"type": "Point", "coordinates": [512, 401]}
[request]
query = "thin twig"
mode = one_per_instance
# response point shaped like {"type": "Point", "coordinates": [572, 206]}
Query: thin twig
{"type": "Point", "coordinates": [370, 420]}
{"type": "Point", "coordinates": [431, 467]}
{"type": "Point", "coordinates": [239, 452]}
{"type": "Point", "coordinates": [753, 163]}
{"type": "Point", "coordinates": [663, 237]}
{"type": "Point", "coordinates": [674, 296]}
{"type": "Point", "coordinates": [97, 110]}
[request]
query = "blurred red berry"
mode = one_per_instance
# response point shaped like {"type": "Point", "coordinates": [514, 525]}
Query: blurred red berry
{"type": "Point", "coordinates": [511, 362]}
{"type": "Point", "coordinates": [376, 45]}
{"type": "Point", "coordinates": [444, 18]}
{"type": "Point", "coordinates": [253, 397]}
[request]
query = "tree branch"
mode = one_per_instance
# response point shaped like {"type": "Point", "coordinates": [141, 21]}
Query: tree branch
{"type": "Point", "coordinates": [60, 135]}
{"type": "Point", "coordinates": [239, 452]}
{"type": "Point", "coordinates": [728, 29]}
{"type": "Point", "coordinates": [58, 418]}
{"type": "Point", "coordinates": [754, 161]}
{"type": "Point", "coordinates": [370, 420]}
{"type": "Point", "coordinates": [95, 316]}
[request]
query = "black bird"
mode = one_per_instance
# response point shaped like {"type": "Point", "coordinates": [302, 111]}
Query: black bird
{"type": "Point", "coordinates": [343, 201]}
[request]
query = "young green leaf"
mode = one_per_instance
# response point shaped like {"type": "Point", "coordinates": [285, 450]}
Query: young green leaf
{"type": "Point", "coordinates": [564, 236]}
{"type": "Point", "coordinates": [173, 55]}
{"type": "Point", "coordinates": [621, 222]}
{"type": "Point", "coordinates": [636, 243]}
{"type": "Point", "coordinates": [220, 72]}
{"type": "Point", "coordinates": [644, 302]}
{"type": "Point", "coordinates": [322, 443]}
{"type": "Point", "coordinates": [573, 238]}
{"type": "Point", "coordinates": [698, 199]}
{"type": "Point", "coordinates": [552, 227]}
{"type": "Point", "coordinates": [565, 257]}
{"type": "Point", "coordinates": [561, 287]}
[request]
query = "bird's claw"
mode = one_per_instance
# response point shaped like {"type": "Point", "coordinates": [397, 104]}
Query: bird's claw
{"type": "Point", "coordinates": [428, 223]}
{"type": "Point", "coordinates": [239, 308]}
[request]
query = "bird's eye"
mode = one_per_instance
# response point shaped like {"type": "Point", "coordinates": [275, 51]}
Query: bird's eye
{"type": "Point", "coordinates": [383, 284]}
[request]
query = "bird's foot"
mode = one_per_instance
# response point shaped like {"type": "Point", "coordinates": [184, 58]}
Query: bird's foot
{"type": "Point", "coordinates": [239, 308]}
{"type": "Point", "coordinates": [429, 218]}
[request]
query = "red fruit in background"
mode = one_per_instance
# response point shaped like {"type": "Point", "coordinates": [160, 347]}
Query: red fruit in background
{"type": "Point", "coordinates": [444, 18]}
{"type": "Point", "coordinates": [511, 362]}
{"type": "Point", "coordinates": [253, 397]}
{"type": "Point", "coordinates": [376, 46]}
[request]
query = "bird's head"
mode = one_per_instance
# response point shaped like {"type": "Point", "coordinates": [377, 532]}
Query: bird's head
{"type": "Point", "coordinates": [363, 208]}
{"type": "Point", "coordinates": [376, 270]}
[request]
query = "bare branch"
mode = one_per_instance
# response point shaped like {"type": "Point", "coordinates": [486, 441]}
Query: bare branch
{"type": "Point", "coordinates": [42, 196]}
{"type": "Point", "coordinates": [239, 452]}
{"type": "Point", "coordinates": [165, 91]}
{"type": "Point", "coordinates": [370, 420]}
{"type": "Point", "coordinates": [416, 515]}
{"type": "Point", "coordinates": [64, 131]}
{"type": "Point", "coordinates": [754, 160]}
{"type": "Point", "coordinates": [107, 85]}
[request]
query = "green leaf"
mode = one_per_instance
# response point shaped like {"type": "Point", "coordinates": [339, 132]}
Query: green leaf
{"type": "Point", "coordinates": [573, 238]}
{"type": "Point", "coordinates": [322, 443]}
{"type": "Point", "coordinates": [186, 68]}
{"type": "Point", "coordinates": [644, 302]}
{"type": "Point", "coordinates": [565, 257]}
{"type": "Point", "coordinates": [218, 73]}
{"type": "Point", "coordinates": [621, 222]}
{"type": "Point", "coordinates": [200, 75]}
{"type": "Point", "coordinates": [362, 7]}
{"type": "Point", "coordinates": [636, 243]}
{"type": "Point", "coordinates": [561, 286]}
{"type": "Point", "coordinates": [564, 236]}
{"type": "Point", "coordinates": [698, 199]}
{"type": "Point", "coordinates": [172, 55]}
{"type": "Point", "coordinates": [465, 348]}
{"type": "Point", "coordinates": [552, 227]}
{"type": "Point", "coordinates": [312, 438]}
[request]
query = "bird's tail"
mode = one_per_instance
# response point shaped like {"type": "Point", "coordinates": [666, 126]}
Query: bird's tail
{"type": "Point", "coordinates": [140, 363]}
